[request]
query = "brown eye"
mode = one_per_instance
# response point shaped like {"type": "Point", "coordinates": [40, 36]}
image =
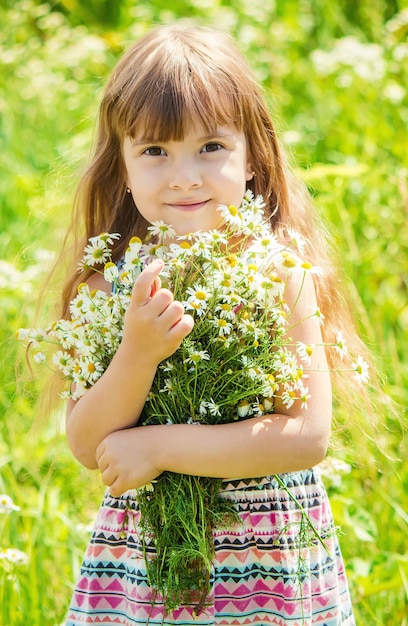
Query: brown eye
{"type": "Point", "coordinates": [154, 151]}
{"type": "Point", "coordinates": [212, 147]}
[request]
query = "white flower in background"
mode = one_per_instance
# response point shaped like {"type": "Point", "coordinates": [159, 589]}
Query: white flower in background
{"type": "Point", "coordinates": [360, 368]}
{"type": "Point", "coordinates": [332, 469]}
{"type": "Point", "coordinates": [7, 504]}
{"type": "Point", "coordinates": [14, 556]}
{"type": "Point", "coordinates": [340, 345]}
{"type": "Point", "coordinates": [364, 59]}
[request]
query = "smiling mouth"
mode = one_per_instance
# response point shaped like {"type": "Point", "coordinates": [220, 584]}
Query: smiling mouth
{"type": "Point", "coordinates": [188, 206]}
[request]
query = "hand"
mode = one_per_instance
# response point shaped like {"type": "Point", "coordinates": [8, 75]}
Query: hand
{"type": "Point", "coordinates": [126, 460]}
{"type": "Point", "coordinates": [155, 324]}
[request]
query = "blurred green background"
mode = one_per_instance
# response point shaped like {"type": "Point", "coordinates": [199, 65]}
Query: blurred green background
{"type": "Point", "coordinates": [337, 77]}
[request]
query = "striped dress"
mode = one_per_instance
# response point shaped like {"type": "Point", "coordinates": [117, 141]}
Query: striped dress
{"type": "Point", "coordinates": [267, 570]}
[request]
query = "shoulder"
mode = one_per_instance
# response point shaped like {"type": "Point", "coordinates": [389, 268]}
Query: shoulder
{"type": "Point", "coordinates": [300, 289]}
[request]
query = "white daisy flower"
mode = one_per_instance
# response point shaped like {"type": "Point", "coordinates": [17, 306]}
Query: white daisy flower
{"type": "Point", "coordinates": [198, 297]}
{"type": "Point", "coordinates": [288, 398]}
{"type": "Point", "coordinates": [91, 370]}
{"type": "Point", "coordinates": [162, 230]}
{"type": "Point", "coordinates": [110, 272]}
{"type": "Point", "coordinates": [231, 214]}
{"type": "Point", "coordinates": [64, 361]}
{"type": "Point", "coordinates": [305, 351]}
{"type": "Point", "coordinates": [132, 251]}
{"type": "Point", "coordinates": [95, 253]}
{"type": "Point", "coordinates": [226, 311]}
{"type": "Point", "coordinates": [197, 357]}
{"type": "Point", "coordinates": [296, 240]}
{"type": "Point", "coordinates": [213, 408]}
{"type": "Point", "coordinates": [39, 357]}
{"type": "Point", "coordinates": [340, 345]}
{"type": "Point", "coordinates": [224, 326]}
{"type": "Point", "coordinates": [7, 504]}
{"type": "Point", "coordinates": [304, 397]}
{"type": "Point", "coordinates": [360, 368]}
{"type": "Point", "coordinates": [316, 312]}
{"type": "Point", "coordinates": [244, 408]}
{"type": "Point", "coordinates": [14, 556]}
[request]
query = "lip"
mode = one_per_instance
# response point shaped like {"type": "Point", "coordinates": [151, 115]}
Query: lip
{"type": "Point", "coordinates": [187, 205]}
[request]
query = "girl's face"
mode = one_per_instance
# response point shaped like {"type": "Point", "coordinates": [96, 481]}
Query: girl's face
{"type": "Point", "coordinates": [183, 182]}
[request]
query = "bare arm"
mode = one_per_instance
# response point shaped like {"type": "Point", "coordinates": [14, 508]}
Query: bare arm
{"type": "Point", "coordinates": [154, 327]}
{"type": "Point", "coordinates": [290, 440]}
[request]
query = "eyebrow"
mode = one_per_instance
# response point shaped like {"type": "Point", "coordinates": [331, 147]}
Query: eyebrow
{"type": "Point", "coordinates": [152, 140]}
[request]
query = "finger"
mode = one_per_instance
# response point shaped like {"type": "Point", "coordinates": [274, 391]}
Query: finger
{"type": "Point", "coordinates": [99, 454]}
{"type": "Point", "coordinates": [155, 286]}
{"type": "Point", "coordinates": [146, 281]}
{"type": "Point", "coordinates": [108, 477]}
{"type": "Point", "coordinates": [171, 313]}
{"type": "Point", "coordinates": [115, 489]}
{"type": "Point", "coordinates": [183, 326]}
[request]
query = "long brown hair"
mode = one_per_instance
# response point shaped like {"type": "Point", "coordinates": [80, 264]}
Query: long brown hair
{"type": "Point", "coordinates": [172, 77]}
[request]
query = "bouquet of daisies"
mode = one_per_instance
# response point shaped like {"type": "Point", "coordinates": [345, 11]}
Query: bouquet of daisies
{"type": "Point", "coordinates": [233, 365]}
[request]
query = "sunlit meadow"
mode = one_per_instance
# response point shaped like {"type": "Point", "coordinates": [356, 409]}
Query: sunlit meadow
{"type": "Point", "coordinates": [338, 89]}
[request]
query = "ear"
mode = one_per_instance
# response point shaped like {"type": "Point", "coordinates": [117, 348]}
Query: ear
{"type": "Point", "coordinates": [249, 172]}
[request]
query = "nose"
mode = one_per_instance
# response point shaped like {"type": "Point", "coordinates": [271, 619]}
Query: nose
{"type": "Point", "coordinates": [185, 174]}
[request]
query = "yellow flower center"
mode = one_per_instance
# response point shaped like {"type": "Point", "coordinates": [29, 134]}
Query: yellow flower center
{"type": "Point", "coordinates": [232, 260]}
{"type": "Point", "coordinates": [289, 261]}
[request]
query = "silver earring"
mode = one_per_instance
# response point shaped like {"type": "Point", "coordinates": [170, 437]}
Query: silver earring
{"type": "Point", "coordinates": [128, 190]}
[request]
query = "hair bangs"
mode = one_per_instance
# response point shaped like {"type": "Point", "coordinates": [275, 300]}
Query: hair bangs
{"type": "Point", "coordinates": [173, 104]}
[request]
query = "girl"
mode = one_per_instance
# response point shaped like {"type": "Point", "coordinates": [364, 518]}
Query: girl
{"type": "Point", "coordinates": [183, 128]}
